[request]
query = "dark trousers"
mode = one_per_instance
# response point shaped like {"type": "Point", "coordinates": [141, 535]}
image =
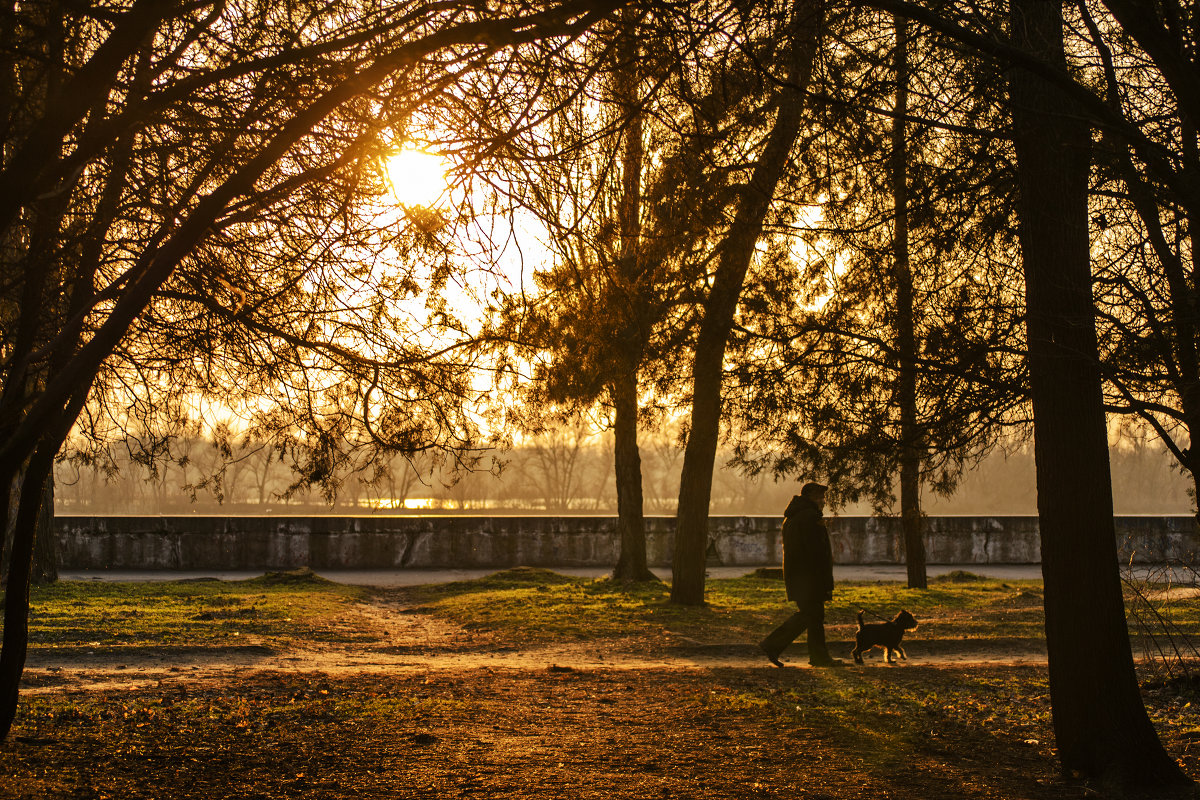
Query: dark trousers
{"type": "Point", "coordinates": [811, 618]}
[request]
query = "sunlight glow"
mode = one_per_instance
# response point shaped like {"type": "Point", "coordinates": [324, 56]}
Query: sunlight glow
{"type": "Point", "coordinates": [406, 503]}
{"type": "Point", "coordinates": [417, 178]}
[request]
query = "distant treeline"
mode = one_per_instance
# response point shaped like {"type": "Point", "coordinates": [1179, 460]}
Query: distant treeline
{"type": "Point", "coordinates": [565, 472]}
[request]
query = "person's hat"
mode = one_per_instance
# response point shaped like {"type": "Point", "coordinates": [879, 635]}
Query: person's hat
{"type": "Point", "coordinates": [809, 489]}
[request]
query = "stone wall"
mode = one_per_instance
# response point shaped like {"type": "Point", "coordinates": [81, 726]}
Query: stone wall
{"type": "Point", "coordinates": [463, 542]}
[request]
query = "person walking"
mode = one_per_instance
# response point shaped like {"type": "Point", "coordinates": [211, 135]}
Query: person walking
{"type": "Point", "coordinates": [808, 576]}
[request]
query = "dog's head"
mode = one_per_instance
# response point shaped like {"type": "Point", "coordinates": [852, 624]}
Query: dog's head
{"type": "Point", "coordinates": [905, 620]}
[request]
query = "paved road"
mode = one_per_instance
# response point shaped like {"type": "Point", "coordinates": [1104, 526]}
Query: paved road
{"type": "Point", "coordinates": [416, 577]}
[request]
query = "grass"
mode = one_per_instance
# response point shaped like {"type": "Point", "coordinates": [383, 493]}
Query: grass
{"type": "Point", "coordinates": [597, 734]}
{"type": "Point", "coordinates": [723, 732]}
{"type": "Point", "coordinates": [540, 606]}
{"type": "Point", "coordinates": [274, 610]}
{"type": "Point", "coordinates": [521, 606]}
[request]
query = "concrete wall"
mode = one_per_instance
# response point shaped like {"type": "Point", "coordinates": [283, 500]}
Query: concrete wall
{"type": "Point", "coordinates": [275, 542]}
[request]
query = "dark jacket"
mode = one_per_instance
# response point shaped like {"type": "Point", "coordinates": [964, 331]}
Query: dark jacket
{"type": "Point", "coordinates": [807, 555]}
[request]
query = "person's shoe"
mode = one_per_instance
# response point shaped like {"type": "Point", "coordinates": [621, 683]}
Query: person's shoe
{"type": "Point", "coordinates": [771, 656]}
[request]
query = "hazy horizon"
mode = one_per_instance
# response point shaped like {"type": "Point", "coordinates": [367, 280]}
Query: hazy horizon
{"type": "Point", "coordinates": [567, 479]}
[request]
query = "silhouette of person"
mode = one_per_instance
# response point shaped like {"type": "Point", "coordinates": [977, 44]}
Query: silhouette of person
{"type": "Point", "coordinates": [808, 576]}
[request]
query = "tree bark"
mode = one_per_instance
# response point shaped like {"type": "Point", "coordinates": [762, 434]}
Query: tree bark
{"type": "Point", "coordinates": [632, 563]}
{"type": "Point", "coordinates": [737, 251]}
{"type": "Point", "coordinates": [906, 343]}
{"type": "Point", "coordinates": [1100, 725]}
{"type": "Point", "coordinates": [29, 499]}
{"type": "Point", "coordinates": [627, 460]}
{"type": "Point", "coordinates": [45, 544]}
{"type": "Point", "coordinates": [16, 594]}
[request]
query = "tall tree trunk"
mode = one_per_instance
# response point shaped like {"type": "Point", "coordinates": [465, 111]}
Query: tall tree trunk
{"type": "Point", "coordinates": [45, 543]}
{"type": "Point", "coordinates": [16, 592]}
{"type": "Point", "coordinates": [632, 564]}
{"type": "Point", "coordinates": [1186, 310]}
{"type": "Point", "coordinates": [737, 251]}
{"type": "Point", "coordinates": [906, 343]}
{"type": "Point", "coordinates": [29, 500]}
{"type": "Point", "coordinates": [45, 546]}
{"type": "Point", "coordinates": [1100, 724]}
{"type": "Point", "coordinates": [627, 460]}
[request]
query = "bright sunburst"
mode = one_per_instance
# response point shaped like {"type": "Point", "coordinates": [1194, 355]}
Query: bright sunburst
{"type": "Point", "coordinates": [417, 178]}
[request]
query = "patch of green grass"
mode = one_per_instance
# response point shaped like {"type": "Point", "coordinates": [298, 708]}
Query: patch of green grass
{"type": "Point", "coordinates": [959, 576]}
{"type": "Point", "coordinates": [537, 605]}
{"type": "Point", "coordinates": [522, 606]}
{"type": "Point", "coordinates": [528, 605]}
{"type": "Point", "coordinates": [268, 611]}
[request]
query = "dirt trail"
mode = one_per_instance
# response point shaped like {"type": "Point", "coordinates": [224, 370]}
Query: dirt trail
{"type": "Point", "coordinates": [402, 640]}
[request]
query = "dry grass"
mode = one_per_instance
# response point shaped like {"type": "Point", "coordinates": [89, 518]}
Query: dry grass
{"type": "Point", "coordinates": [458, 728]}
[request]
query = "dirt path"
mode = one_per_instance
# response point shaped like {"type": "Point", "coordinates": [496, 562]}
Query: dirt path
{"type": "Point", "coordinates": [402, 640]}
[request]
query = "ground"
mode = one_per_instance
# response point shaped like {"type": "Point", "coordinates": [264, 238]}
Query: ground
{"type": "Point", "coordinates": [406, 693]}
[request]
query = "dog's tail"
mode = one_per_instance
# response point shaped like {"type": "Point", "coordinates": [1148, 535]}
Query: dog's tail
{"type": "Point", "coordinates": [860, 622]}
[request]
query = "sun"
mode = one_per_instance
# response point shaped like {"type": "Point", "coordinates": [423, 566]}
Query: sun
{"type": "Point", "coordinates": [417, 178]}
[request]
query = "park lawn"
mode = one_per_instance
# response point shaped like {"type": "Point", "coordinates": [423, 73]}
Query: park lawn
{"type": "Point", "coordinates": [532, 606]}
{"type": "Point", "coordinates": [923, 733]}
{"type": "Point", "coordinates": [275, 610]}
{"type": "Point", "coordinates": [932, 731]}
{"type": "Point", "coordinates": [697, 734]}
{"type": "Point", "coordinates": [525, 606]}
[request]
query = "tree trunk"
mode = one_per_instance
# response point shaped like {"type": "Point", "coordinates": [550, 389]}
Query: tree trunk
{"type": "Point", "coordinates": [737, 251]}
{"type": "Point", "coordinates": [631, 525]}
{"type": "Point", "coordinates": [912, 520]}
{"type": "Point", "coordinates": [16, 593]}
{"type": "Point", "coordinates": [45, 544]}
{"type": "Point", "coordinates": [1185, 306]}
{"type": "Point", "coordinates": [1195, 492]}
{"type": "Point", "coordinates": [627, 460]}
{"type": "Point", "coordinates": [906, 343]}
{"type": "Point", "coordinates": [28, 500]}
{"type": "Point", "coordinates": [695, 479]}
{"type": "Point", "coordinates": [1100, 724]}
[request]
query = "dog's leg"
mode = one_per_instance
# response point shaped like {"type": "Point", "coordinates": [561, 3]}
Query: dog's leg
{"type": "Point", "coordinates": [887, 655]}
{"type": "Point", "coordinates": [903, 654]}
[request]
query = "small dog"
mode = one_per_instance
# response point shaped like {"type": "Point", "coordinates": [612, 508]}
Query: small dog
{"type": "Point", "coordinates": [882, 634]}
